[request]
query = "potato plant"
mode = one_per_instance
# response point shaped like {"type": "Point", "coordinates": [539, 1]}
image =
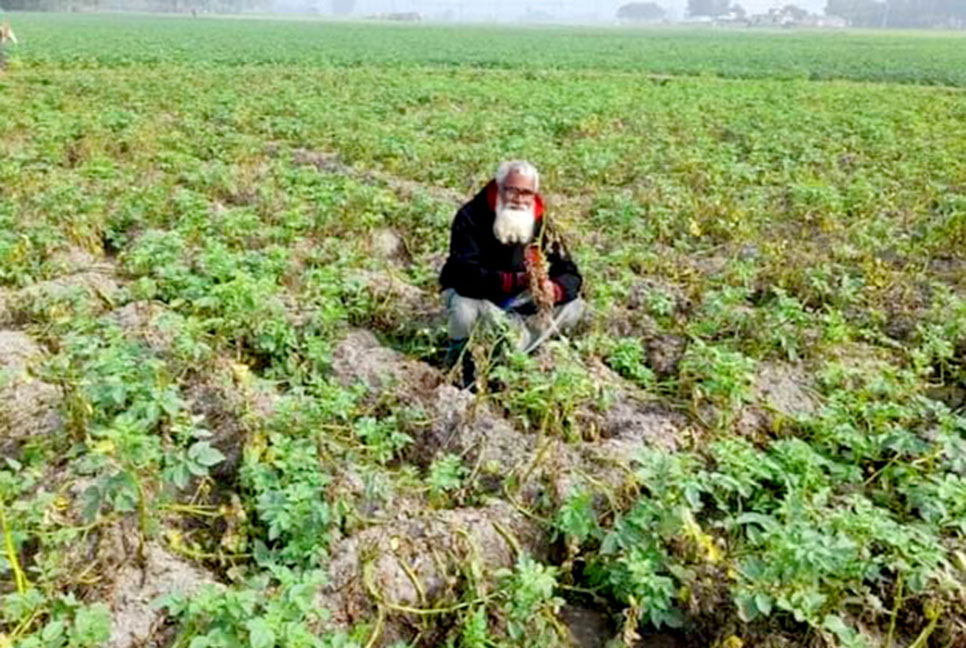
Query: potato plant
{"type": "Point", "coordinates": [771, 228]}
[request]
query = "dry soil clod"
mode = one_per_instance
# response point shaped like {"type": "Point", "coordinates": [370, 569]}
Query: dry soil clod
{"type": "Point", "coordinates": [417, 563]}
{"type": "Point", "coordinates": [135, 622]}
{"type": "Point", "coordinates": [28, 406]}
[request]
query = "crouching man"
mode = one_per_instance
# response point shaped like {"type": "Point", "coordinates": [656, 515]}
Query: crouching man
{"type": "Point", "coordinates": [503, 268]}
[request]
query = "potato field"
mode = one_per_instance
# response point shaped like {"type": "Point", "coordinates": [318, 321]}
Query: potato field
{"type": "Point", "coordinates": [225, 418]}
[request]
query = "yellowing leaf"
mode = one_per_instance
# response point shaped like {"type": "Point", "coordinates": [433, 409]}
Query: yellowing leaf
{"type": "Point", "coordinates": [241, 373]}
{"type": "Point", "coordinates": [104, 446]}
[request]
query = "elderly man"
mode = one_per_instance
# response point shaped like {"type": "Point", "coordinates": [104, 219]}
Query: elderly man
{"type": "Point", "coordinates": [490, 275]}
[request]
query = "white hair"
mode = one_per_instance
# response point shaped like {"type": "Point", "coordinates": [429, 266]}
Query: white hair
{"type": "Point", "coordinates": [522, 167]}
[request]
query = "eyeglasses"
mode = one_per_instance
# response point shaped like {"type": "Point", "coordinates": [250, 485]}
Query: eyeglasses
{"type": "Point", "coordinates": [518, 192]}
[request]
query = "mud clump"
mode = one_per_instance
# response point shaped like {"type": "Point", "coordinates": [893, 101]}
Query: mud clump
{"type": "Point", "coordinates": [462, 425]}
{"type": "Point", "coordinates": [497, 453]}
{"type": "Point", "coordinates": [73, 260]}
{"type": "Point", "coordinates": [360, 358]}
{"type": "Point", "coordinates": [28, 406]}
{"type": "Point", "coordinates": [230, 399]}
{"type": "Point", "coordinates": [401, 309]}
{"type": "Point", "coordinates": [144, 321]}
{"type": "Point", "coordinates": [421, 562]}
{"type": "Point", "coordinates": [785, 389]}
{"type": "Point", "coordinates": [626, 424]}
{"type": "Point", "coordinates": [782, 391]}
{"type": "Point", "coordinates": [608, 464]}
{"type": "Point", "coordinates": [387, 244]}
{"type": "Point", "coordinates": [95, 284]}
{"type": "Point", "coordinates": [458, 422]}
{"type": "Point", "coordinates": [135, 623]}
{"type": "Point", "coordinates": [630, 416]}
{"type": "Point", "coordinates": [588, 628]}
{"type": "Point", "coordinates": [97, 292]}
{"type": "Point", "coordinates": [664, 353]}
{"type": "Point", "coordinates": [17, 350]}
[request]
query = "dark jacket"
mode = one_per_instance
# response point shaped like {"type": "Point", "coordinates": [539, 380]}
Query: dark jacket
{"type": "Point", "coordinates": [480, 267]}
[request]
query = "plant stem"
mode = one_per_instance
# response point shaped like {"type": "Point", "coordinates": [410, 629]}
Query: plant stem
{"type": "Point", "coordinates": [923, 637]}
{"type": "Point", "coordinates": [896, 604]}
{"type": "Point", "coordinates": [18, 574]}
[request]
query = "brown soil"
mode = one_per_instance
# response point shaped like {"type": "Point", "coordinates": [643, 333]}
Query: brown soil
{"type": "Point", "coordinates": [421, 560]}
{"type": "Point", "coordinates": [28, 406]}
{"type": "Point", "coordinates": [97, 285]}
{"type": "Point", "coordinates": [144, 321]}
{"type": "Point", "coordinates": [360, 358]}
{"type": "Point", "coordinates": [135, 623]}
{"type": "Point", "coordinates": [230, 400]}
{"type": "Point", "coordinates": [401, 308]}
{"type": "Point", "coordinates": [782, 391]}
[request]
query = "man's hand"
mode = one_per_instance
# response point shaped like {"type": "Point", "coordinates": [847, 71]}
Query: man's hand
{"type": "Point", "coordinates": [547, 291]}
{"type": "Point", "coordinates": [546, 286]}
{"type": "Point", "coordinates": [512, 282]}
{"type": "Point", "coordinates": [550, 287]}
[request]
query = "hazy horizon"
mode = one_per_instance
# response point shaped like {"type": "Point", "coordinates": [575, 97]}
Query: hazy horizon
{"type": "Point", "coordinates": [948, 13]}
{"type": "Point", "coordinates": [602, 9]}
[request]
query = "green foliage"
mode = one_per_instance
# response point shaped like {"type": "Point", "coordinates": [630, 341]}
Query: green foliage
{"type": "Point", "coordinates": [383, 437]}
{"type": "Point", "coordinates": [73, 625]}
{"type": "Point", "coordinates": [549, 399]}
{"type": "Point", "coordinates": [287, 486]}
{"type": "Point", "coordinates": [137, 41]}
{"type": "Point", "coordinates": [230, 174]}
{"type": "Point", "coordinates": [446, 474]}
{"type": "Point", "coordinates": [576, 517]}
{"type": "Point", "coordinates": [719, 376]}
{"type": "Point", "coordinates": [809, 534]}
{"type": "Point", "coordinates": [530, 588]}
{"type": "Point", "coordinates": [634, 563]}
{"type": "Point", "coordinates": [267, 611]}
{"type": "Point", "coordinates": [628, 358]}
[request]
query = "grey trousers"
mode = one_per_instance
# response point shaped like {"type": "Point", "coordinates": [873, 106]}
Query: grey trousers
{"type": "Point", "coordinates": [528, 333]}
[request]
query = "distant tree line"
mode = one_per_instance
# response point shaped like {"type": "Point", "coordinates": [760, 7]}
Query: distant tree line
{"type": "Point", "coordinates": [861, 13]}
{"type": "Point", "coordinates": [175, 6]}
{"type": "Point", "coordinates": [640, 12]}
{"type": "Point", "coordinates": [899, 13]}
{"type": "Point", "coordinates": [708, 7]}
{"type": "Point", "coordinates": [714, 8]}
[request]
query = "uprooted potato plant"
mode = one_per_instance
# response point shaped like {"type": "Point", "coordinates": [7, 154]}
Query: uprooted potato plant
{"type": "Point", "coordinates": [224, 419]}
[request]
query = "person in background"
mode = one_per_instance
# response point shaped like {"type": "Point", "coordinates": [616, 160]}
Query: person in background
{"type": "Point", "coordinates": [503, 267]}
{"type": "Point", "coordinates": [6, 37]}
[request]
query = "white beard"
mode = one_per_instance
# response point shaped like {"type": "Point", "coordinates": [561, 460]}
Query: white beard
{"type": "Point", "coordinates": [513, 226]}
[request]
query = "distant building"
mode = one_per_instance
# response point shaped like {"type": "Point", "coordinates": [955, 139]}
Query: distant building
{"type": "Point", "coordinates": [791, 16]}
{"type": "Point", "coordinates": [824, 22]}
{"type": "Point", "coordinates": [732, 19]}
{"type": "Point", "coordinates": [774, 18]}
